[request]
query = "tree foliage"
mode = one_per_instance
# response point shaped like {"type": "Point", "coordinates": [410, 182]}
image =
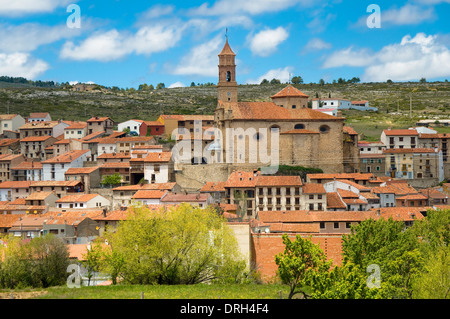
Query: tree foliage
{"type": "Point", "coordinates": [179, 245]}
{"type": "Point", "coordinates": [111, 180]}
{"type": "Point", "coordinates": [302, 266]}
{"type": "Point", "coordinates": [42, 262]}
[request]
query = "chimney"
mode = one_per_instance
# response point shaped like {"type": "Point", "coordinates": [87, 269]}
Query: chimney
{"type": "Point", "coordinates": [104, 212]}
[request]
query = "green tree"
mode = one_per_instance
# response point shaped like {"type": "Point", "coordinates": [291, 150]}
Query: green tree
{"type": "Point", "coordinates": [178, 245]}
{"type": "Point", "coordinates": [297, 80]}
{"type": "Point", "coordinates": [303, 266]}
{"type": "Point", "coordinates": [434, 232]}
{"type": "Point", "coordinates": [192, 84]}
{"type": "Point", "coordinates": [42, 262]}
{"type": "Point", "coordinates": [275, 81]}
{"type": "Point", "coordinates": [111, 180]}
{"type": "Point", "coordinates": [92, 261]}
{"type": "Point", "coordinates": [386, 244]}
{"type": "Point", "coordinates": [321, 82]}
{"type": "Point", "coordinates": [160, 86]}
{"type": "Point", "coordinates": [264, 82]}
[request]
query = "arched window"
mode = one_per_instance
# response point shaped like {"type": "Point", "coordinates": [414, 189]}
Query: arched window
{"type": "Point", "coordinates": [324, 129]}
{"type": "Point", "coordinates": [228, 76]}
{"type": "Point", "coordinates": [274, 128]}
{"type": "Point", "coordinates": [299, 127]}
{"type": "Point", "coordinates": [257, 136]}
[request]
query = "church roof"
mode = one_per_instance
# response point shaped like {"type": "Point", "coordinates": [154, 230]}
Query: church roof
{"type": "Point", "coordinates": [289, 91]}
{"type": "Point", "coordinates": [226, 49]}
{"type": "Point", "coordinates": [271, 111]}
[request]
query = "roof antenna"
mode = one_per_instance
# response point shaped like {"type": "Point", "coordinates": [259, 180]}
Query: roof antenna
{"type": "Point", "coordinates": [226, 34]}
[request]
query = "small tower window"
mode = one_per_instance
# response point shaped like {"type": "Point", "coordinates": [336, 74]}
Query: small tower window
{"type": "Point", "coordinates": [228, 76]}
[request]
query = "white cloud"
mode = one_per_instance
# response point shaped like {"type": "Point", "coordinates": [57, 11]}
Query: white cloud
{"type": "Point", "coordinates": [177, 85]}
{"type": "Point", "coordinates": [29, 36]}
{"type": "Point", "coordinates": [265, 42]}
{"type": "Point", "coordinates": [282, 74]}
{"type": "Point", "coordinates": [101, 47]}
{"type": "Point", "coordinates": [113, 45]}
{"type": "Point", "coordinates": [224, 7]}
{"type": "Point", "coordinates": [316, 44]}
{"type": "Point", "coordinates": [201, 60]}
{"type": "Point", "coordinates": [348, 57]}
{"type": "Point", "coordinates": [409, 14]}
{"type": "Point", "coordinates": [411, 59]}
{"type": "Point", "coordinates": [21, 65]}
{"type": "Point", "coordinates": [24, 7]}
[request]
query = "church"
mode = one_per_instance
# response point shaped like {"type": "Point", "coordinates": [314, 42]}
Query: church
{"type": "Point", "coordinates": [283, 131]}
{"type": "Point", "coordinates": [306, 137]}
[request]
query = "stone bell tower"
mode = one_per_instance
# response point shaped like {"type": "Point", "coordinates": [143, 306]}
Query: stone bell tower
{"type": "Point", "coordinates": [227, 86]}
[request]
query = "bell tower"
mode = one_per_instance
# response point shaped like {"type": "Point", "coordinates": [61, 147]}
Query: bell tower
{"type": "Point", "coordinates": [227, 86]}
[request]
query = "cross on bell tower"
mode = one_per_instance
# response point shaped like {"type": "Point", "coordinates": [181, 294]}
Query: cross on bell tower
{"type": "Point", "coordinates": [227, 85]}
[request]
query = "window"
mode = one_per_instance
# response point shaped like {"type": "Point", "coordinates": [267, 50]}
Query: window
{"type": "Point", "coordinates": [322, 225]}
{"type": "Point", "coordinates": [299, 127]}
{"type": "Point", "coordinates": [347, 225]}
{"type": "Point", "coordinates": [336, 225]}
{"type": "Point", "coordinates": [324, 129]}
{"type": "Point", "coordinates": [311, 196]}
{"type": "Point", "coordinates": [294, 106]}
{"type": "Point", "coordinates": [311, 206]}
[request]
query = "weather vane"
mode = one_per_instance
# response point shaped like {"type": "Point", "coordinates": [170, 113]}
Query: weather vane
{"type": "Point", "coordinates": [226, 33]}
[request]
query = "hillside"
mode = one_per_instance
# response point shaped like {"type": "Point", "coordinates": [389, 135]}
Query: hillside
{"type": "Point", "coordinates": [429, 100]}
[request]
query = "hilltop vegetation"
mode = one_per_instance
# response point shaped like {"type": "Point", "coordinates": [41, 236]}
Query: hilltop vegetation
{"type": "Point", "coordinates": [428, 99]}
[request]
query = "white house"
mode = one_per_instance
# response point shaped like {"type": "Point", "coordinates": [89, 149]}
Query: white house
{"type": "Point", "coordinates": [39, 117]}
{"type": "Point", "coordinates": [132, 125]}
{"type": "Point", "coordinates": [366, 147]}
{"type": "Point", "coordinates": [400, 138]}
{"type": "Point", "coordinates": [54, 168]}
{"type": "Point", "coordinates": [12, 190]}
{"type": "Point", "coordinates": [157, 167]}
{"type": "Point", "coordinates": [82, 201]}
{"type": "Point", "coordinates": [75, 130]}
{"type": "Point", "coordinates": [330, 103]}
{"type": "Point", "coordinates": [10, 122]}
{"type": "Point", "coordinates": [106, 145]}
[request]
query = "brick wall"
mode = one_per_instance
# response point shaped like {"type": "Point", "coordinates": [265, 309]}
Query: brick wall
{"type": "Point", "coordinates": [266, 246]}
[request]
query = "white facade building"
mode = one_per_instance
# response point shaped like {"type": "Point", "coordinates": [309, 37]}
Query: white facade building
{"type": "Point", "coordinates": [54, 168]}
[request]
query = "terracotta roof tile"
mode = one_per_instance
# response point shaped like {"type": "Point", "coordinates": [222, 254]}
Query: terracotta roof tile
{"type": "Point", "coordinates": [158, 157]}
{"type": "Point", "coordinates": [149, 194]}
{"type": "Point", "coordinates": [81, 198]}
{"type": "Point", "coordinates": [213, 187]}
{"type": "Point", "coordinates": [271, 111]}
{"type": "Point", "coordinates": [36, 138]}
{"type": "Point", "coordinates": [334, 201]}
{"type": "Point", "coordinates": [408, 150]}
{"type": "Point", "coordinates": [15, 184]}
{"type": "Point", "coordinates": [313, 188]}
{"type": "Point", "coordinates": [181, 198]}
{"type": "Point", "coordinates": [81, 170]}
{"type": "Point", "coordinates": [289, 91]}
{"type": "Point", "coordinates": [400, 132]}
{"type": "Point", "coordinates": [67, 157]}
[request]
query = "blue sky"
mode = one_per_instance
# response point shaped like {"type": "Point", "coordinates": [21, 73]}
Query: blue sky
{"type": "Point", "coordinates": [127, 43]}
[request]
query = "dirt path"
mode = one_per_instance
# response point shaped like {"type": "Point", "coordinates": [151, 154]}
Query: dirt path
{"type": "Point", "coordinates": [21, 294]}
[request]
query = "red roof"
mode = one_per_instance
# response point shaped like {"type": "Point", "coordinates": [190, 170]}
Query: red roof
{"type": "Point", "coordinates": [67, 157]}
{"type": "Point", "coordinates": [289, 91]}
{"type": "Point", "coordinates": [400, 132]}
{"type": "Point", "coordinates": [227, 49]}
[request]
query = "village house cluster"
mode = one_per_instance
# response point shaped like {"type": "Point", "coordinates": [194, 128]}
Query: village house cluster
{"type": "Point", "coordinates": [53, 172]}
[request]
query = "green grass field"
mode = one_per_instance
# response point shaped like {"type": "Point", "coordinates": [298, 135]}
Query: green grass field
{"type": "Point", "coordinates": [199, 291]}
